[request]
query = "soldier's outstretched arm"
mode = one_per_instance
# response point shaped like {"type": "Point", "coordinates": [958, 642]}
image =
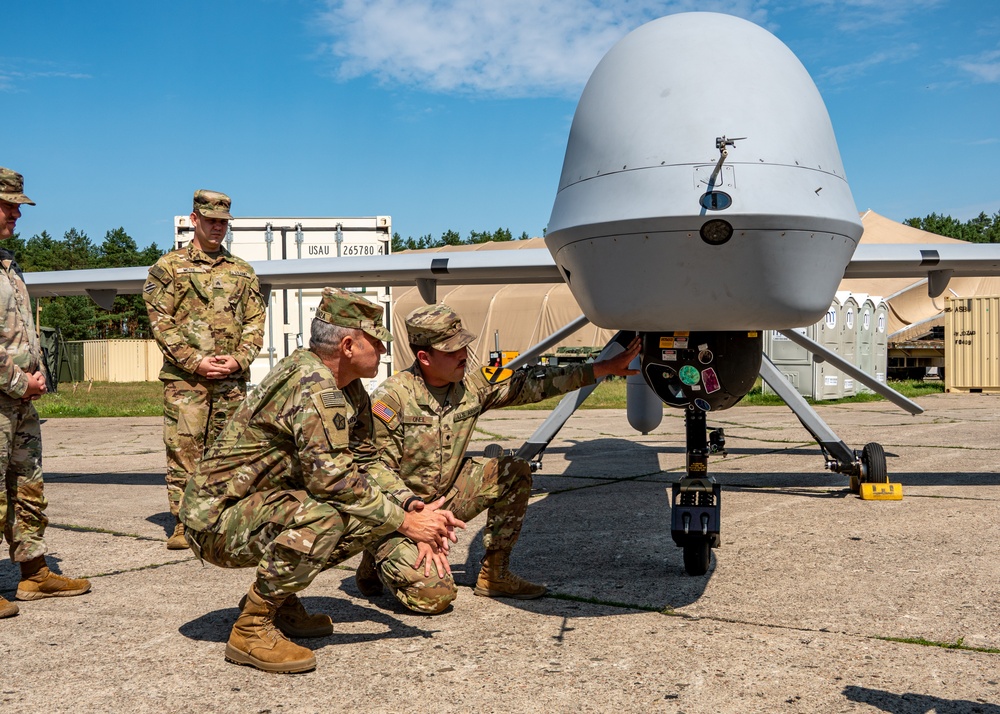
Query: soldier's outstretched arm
{"type": "Point", "coordinates": [618, 365]}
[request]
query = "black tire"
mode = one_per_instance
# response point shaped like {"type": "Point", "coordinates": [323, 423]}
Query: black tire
{"type": "Point", "coordinates": [873, 462]}
{"type": "Point", "coordinates": [697, 557]}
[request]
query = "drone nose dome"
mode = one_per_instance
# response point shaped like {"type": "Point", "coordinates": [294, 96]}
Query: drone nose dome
{"type": "Point", "coordinates": [702, 186]}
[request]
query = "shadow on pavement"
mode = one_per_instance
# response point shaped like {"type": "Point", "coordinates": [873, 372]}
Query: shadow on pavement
{"type": "Point", "coordinates": [165, 520]}
{"type": "Point", "coordinates": [910, 703]}
{"type": "Point", "coordinates": [108, 479]}
{"type": "Point", "coordinates": [215, 626]}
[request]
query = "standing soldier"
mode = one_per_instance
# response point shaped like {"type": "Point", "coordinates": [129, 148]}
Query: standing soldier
{"type": "Point", "coordinates": [283, 488]}
{"type": "Point", "coordinates": [22, 380]}
{"type": "Point", "coordinates": [426, 415]}
{"type": "Point", "coordinates": [207, 315]}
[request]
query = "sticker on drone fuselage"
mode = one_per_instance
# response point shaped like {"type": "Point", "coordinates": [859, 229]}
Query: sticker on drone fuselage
{"type": "Point", "coordinates": [711, 380]}
{"type": "Point", "coordinates": [689, 375]}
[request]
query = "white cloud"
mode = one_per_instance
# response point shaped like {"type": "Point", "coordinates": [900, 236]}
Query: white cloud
{"type": "Point", "coordinates": [863, 15]}
{"type": "Point", "coordinates": [846, 72]}
{"type": "Point", "coordinates": [510, 48]}
{"type": "Point", "coordinates": [984, 67]}
{"type": "Point", "coordinates": [12, 75]}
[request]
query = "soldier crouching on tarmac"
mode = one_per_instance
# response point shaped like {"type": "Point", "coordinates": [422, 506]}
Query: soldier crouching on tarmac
{"type": "Point", "coordinates": [22, 380]}
{"type": "Point", "coordinates": [425, 417]}
{"type": "Point", "coordinates": [282, 487]}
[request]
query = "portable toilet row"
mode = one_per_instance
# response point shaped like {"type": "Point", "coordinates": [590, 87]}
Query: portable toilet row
{"type": "Point", "coordinates": [854, 328]}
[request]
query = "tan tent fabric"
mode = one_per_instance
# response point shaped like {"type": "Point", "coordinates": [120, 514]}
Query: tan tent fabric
{"type": "Point", "coordinates": [911, 312]}
{"type": "Point", "coordinates": [526, 314]}
{"type": "Point", "coordinates": [522, 314]}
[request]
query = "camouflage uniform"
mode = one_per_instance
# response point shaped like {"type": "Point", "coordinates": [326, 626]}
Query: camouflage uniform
{"type": "Point", "coordinates": [22, 501]}
{"type": "Point", "coordinates": [281, 487]}
{"type": "Point", "coordinates": [200, 306]}
{"type": "Point", "coordinates": [425, 443]}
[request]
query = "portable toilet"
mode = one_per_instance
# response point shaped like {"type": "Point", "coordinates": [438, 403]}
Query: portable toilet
{"type": "Point", "coordinates": [851, 308]}
{"type": "Point", "coordinates": [880, 340]}
{"type": "Point", "coordinates": [864, 347]}
{"type": "Point", "coordinates": [817, 380]}
{"type": "Point", "coordinates": [830, 334]}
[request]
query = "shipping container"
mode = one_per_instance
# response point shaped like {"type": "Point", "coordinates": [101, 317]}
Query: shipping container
{"type": "Point", "coordinates": [119, 360]}
{"type": "Point", "coordinates": [972, 344]}
{"type": "Point", "coordinates": [290, 312]}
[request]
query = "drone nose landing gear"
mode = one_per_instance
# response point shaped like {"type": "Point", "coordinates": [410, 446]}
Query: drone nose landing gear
{"type": "Point", "coordinates": [696, 500]}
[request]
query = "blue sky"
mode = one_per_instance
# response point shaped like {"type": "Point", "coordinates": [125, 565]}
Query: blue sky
{"type": "Point", "coordinates": [444, 114]}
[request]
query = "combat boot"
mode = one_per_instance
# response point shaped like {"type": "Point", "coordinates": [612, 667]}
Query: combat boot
{"type": "Point", "coordinates": [177, 541]}
{"type": "Point", "coordinates": [7, 608]}
{"type": "Point", "coordinates": [366, 577]}
{"type": "Point", "coordinates": [293, 619]}
{"type": "Point", "coordinates": [38, 582]}
{"type": "Point", "coordinates": [256, 641]}
{"type": "Point", "coordinates": [496, 580]}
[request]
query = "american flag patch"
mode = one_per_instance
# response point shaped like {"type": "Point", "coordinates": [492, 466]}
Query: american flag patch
{"type": "Point", "coordinates": [332, 398]}
{"type": "Point", "coordinates": [383, 411]}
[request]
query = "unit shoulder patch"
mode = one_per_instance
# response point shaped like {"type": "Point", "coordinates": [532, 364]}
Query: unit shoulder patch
{"type": "Point", "coordinates": [497, 375]}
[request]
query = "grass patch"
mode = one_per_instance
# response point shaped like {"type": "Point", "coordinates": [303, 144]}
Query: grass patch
{"type": "Point", "coordinates": [103, 399]}
{"type": "Point", "coordinates": [131, 399]}
{"type": "Point", "coordinates": [910, 388]}
{"type": "Point", "coordinates": [610, 394]}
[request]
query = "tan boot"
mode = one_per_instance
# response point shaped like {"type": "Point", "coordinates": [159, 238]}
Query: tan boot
{"type": "Point", "coordinates": [256, 641]}
{"type": "Point", "coordinates": [7, 608]}
{"type": "Point", "coordinates": [293, 619]}
{"type": "Point", "coordinates": [177, 541]}
{"type": "Point", "coordinates": [366, 577]}
{"type": "Point", "coordinates": [38, 582]}
{"type": "Point", "coordinates": [496, 580]}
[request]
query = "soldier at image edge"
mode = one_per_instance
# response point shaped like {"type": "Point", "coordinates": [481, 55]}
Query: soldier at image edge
{"type": "Point", "coordinates": [22, 380]}
{"type": "Point", "coordinates": [289, 486]}
{"type": "Point", "coordinates": [207, 314]}
{"type": "Point", "coordinates": [425, 417]}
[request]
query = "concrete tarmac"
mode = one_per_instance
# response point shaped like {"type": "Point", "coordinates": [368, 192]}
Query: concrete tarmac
{"type": "Point", "coordinates": [817, 601]}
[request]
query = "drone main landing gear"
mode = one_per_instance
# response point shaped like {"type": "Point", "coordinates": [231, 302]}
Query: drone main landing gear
{"type": "Point", "coordinates": [696, 500]}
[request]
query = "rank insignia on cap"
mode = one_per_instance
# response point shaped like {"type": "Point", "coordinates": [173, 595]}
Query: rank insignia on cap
{"type": "Point", "coordinates": [383, 411]}
{"type": "Point", "coordinates": [496, 375]}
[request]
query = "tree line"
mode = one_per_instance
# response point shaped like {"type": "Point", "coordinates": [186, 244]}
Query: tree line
{"type": "Point", "coordinates": [77, 316]}
{"type": "Point", "coordinates": [452, 238]}
{"type": "Point", "coordinates": [981, 229]}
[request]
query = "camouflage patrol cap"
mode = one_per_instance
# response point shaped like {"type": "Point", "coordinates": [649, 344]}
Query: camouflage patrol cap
{"type": "Point", "coordinates": [346, 309]}
{"type": "Point", "coordinates": [12, 187]}
{"type": "Point", "coordinates": [212, 204]}
{"type": "Point", "coordinates": [437, 326]}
